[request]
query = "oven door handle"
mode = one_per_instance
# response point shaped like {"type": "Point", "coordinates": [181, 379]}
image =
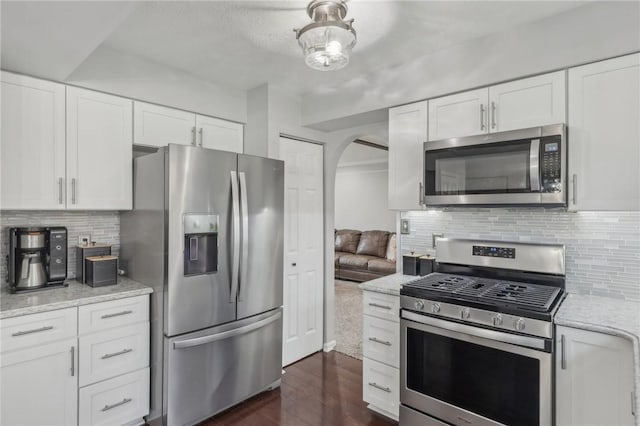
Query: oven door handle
{"type": "Point", "coordinates": [534, 165]}
{"type": "Point", "coordinates": [515, 339]}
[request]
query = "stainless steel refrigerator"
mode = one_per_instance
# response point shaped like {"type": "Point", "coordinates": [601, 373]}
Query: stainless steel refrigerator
{"type": "Point", "coordinates": [206, 231]}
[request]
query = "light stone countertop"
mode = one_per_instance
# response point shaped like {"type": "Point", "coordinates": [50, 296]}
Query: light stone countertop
{"type": "Point", "coordinates": [389, 284]}
{"type": "Point", "coordinates": [605, 315]}
{"type": "Point", "coordinates": [76, 294]}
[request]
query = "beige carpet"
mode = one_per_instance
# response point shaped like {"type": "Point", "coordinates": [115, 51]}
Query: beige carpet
{"type": "Point", "coordinates": [348, 318]}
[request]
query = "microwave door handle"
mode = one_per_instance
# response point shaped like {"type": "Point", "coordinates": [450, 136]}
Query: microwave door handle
{"type": "Point", "coordinates": [534, 165]}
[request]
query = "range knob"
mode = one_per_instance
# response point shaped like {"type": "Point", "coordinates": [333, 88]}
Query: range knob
{"type": "Point", "coordinates": [519, 324]}
{"type": "Point", "coordinates": [435, 308]}
{"type": "Point", "coordinates": [497, 320]}
{"type": "Point", "coordinates": [419, 305]}
{"type": "Point", "coordinates": [465, 313]}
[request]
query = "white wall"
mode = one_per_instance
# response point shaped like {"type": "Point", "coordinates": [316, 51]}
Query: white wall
{"type": "Point", "coordinates": [111, 71]}
{"type": "Point", "coordinates": [361, 195]}
{"type": "Point", "coordinates": [595, 31]}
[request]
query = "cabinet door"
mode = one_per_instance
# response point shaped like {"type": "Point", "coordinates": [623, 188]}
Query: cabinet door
{"type": "Point", "coordinates": [40, 385]}
{"type": "Point", "coordinates": [604, 135]}
{"type": "Point", "coordinates": [594, 384]}
{"type": "Point", "coordinates": [99, 151]}
{"type": "Point", "coordinates": [458, 115]}
{"type": "Point", "coordinates": [33, 144]}
{"type": "Point", "coordinates": [407, 134]}
{"type": "Point", "coordinates": [155, 125]}
{"type": "Point", "coordinates": [530, 102]}
{"type": "Point", "coordinates": [219, 134]}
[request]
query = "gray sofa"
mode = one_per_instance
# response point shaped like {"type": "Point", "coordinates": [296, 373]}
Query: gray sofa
{"type": "Point", "coordinates": [363, 256]}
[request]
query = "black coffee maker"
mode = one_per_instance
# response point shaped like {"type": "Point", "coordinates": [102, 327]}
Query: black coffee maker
{"type": "Point", "coordinates": [37, 258]}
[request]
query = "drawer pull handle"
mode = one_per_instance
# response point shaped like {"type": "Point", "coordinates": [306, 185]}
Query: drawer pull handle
{"type": "Point", "coordinates": [122, 352]}
{"type": "Point", "coordinates": [117, 404]}
{"type": "Point", "coordinates": [376, 305]}
{"type": "Point", "coordinates": [384, 342]}
{"type": "Point", "coordinates": [117, 314]}
{"type": "Point", "coordinates": [382, 388]}
{"type": "Point", "coordinates": [35, 330]}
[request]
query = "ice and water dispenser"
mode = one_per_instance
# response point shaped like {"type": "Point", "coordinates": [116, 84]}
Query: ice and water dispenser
{"type": "Point", "coordinates": [200, 243]}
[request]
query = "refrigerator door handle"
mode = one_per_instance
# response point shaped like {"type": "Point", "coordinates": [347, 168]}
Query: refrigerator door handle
{"type": "Point", "coordinates": [235, 206]}
{"type": "Point", "coordinates": [198, 341]}
{"type": "Point", "coordinates": [245, 235]}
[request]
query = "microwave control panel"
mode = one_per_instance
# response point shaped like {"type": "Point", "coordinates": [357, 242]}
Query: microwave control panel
{"type": "Point", "coordinates": [551, 165]}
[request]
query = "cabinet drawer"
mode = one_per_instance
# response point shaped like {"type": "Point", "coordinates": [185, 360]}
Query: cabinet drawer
{"type": "Point", "coordinates": [113, 352]}
{"type": "Point", "coordinates": [385, 306]}
{"type": "Point", "coordinates": [381, 385]}
{"type": "Point", "coordinates": [115, 313]}
{"type": "Point", "coordinates": [116, 401]}
{"type": "Point", "coordinates": [381, 340]}
{"type": "Point", "coordinates": [35, 329]}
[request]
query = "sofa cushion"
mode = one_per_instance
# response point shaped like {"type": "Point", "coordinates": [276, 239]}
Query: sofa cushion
{"type": "Point", "coordinates": [391, 248]}
{"type": "Point", "coordinates": [354, 261]}
{"type": "Point", "coordinates": [337, 255]}
{"type": "Point", "coordinates": [373, 243]}
{"type": "Point", "coordinates": [347, 240]}
{"type": "Point", "coordinates": [382, 266]}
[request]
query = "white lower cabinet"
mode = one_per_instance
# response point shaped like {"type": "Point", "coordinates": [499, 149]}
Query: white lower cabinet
{"type": "Point", "coordinates": [39, 385]}
{"type": "Point", "coordinates": [381, 350]}
{"type": "Point", "coordinates": [381, 387]}
{"type": "Point", "coordinates": [47, 362]}
{"type": "Point", "coordinates": [116, 401]}
{"type": "Point", "coordinates": [594, 379]}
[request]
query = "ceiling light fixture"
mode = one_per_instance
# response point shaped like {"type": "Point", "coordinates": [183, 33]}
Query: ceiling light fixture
{"type": "Point", "coordinates": [327, 41]}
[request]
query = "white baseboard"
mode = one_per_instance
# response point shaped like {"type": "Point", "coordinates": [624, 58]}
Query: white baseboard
{"type": "Point", "coordinates": [329, 346]}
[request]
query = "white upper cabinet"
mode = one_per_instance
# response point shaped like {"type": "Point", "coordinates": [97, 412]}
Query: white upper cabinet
{"type": "Point", "coordinates": [604, 135]}
{"type": "Point", "coordinates": [530, 102]}
{"type": "Point", "coordinates": [407, 134]}
{"type": "Point", "coordinates": [219, 134]}
{"type": "Point", "coordinates": [156, 125]}
{"type": "Point", "coordinates": [594, 379]}
{"type": "Point", "coordinates": [99, 151]}
{"type": "Point", "coordinates": [458, 115]}
{"type": "Point", "coordinates": [33, 144]}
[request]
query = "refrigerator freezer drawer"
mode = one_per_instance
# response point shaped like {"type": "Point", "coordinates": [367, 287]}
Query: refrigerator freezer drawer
{"type": "Point", "coordinates": [208, 372]}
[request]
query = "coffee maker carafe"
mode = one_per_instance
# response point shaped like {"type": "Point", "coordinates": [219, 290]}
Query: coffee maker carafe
{"type": "Point", "coordinates": [37, 258]}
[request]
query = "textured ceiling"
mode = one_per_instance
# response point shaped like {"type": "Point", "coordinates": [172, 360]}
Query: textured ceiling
{"type": "Point", "coordinates": [243, 44]}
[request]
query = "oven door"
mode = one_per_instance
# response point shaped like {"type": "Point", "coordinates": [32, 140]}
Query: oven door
{"type": "Point", "coordinates": [467, 375]}
{"type": "Point", "coordinates": [516, 167]}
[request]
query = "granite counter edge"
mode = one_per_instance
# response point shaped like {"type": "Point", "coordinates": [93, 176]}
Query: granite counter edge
{"type": "Point", "coordinates": [74, 303]}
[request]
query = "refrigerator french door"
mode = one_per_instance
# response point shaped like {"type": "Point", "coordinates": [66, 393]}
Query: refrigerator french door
{"type": "Point", "coordinates": [206, 232]}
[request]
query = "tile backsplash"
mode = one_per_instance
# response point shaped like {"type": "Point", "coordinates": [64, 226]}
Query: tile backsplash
{"type": "Point", "coordinates": [104, 227]}
{"type": "Point", "coordinates": [602, 248]}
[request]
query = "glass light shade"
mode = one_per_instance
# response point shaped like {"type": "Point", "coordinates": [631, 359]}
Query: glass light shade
{"type": "Point", "coordinates": [327, 47]}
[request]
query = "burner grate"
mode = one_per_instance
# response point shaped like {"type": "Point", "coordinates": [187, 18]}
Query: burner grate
{"type": "Point", "coordinates": [507, 293]}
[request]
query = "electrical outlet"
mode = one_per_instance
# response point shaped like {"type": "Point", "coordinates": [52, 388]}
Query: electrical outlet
{"type": "Point", "coordinates": [84, 239]}
{"type": "Point", "coordinates": [434, 237]}
{"type": "Point", "coordinates": [404, 226]}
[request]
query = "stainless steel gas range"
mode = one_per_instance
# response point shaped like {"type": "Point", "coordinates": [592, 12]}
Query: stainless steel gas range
{"type": "Point", "coordinates": [477, 335]}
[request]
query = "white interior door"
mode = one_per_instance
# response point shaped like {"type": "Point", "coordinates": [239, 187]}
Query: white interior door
{"type": "Point", "coordinates": [303, 249]}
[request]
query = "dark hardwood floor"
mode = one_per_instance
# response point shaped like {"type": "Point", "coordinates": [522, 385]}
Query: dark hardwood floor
{"type": "Point", "coordinates": [324, 389]}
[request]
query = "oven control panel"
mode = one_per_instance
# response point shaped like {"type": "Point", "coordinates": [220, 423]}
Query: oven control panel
{"type": "Point", "coordinates": [488, 251]}
{"type": "Point", "coordinates": [465, 314]}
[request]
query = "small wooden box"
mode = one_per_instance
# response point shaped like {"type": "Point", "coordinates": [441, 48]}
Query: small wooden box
{"type": "Point", "coordinates": [426, 265]}
{"type": "Point", "coordinates": [82, 252]}
{"type": "Point", "coordinates": [101, 270]}
{"type": "Point", "coordinates": [411, 264]}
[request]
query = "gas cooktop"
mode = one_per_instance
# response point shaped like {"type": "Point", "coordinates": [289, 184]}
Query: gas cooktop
{"type": "Point", "coordinates": [533, 297]}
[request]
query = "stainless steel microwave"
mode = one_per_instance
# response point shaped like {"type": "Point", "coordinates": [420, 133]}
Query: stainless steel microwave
{"type": "Point", "coordinates": [518, 167]}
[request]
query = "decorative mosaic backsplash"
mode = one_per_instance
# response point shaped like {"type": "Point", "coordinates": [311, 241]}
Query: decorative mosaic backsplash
{"type": "Point", "coordinates": [104, 227]}
{"type": "Point", "coordinates": [602, 248]}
